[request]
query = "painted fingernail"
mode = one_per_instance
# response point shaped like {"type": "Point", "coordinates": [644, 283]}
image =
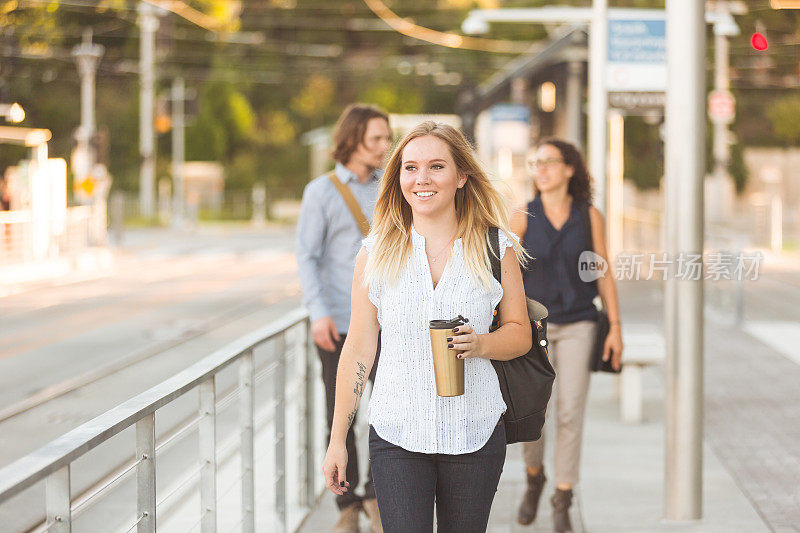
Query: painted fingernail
{"type": "Point", "coordinates": [341, 483]}
{"type": "Point", "coordinates": [449, 345]}
{"type": "Point", "coordinates": [449, 339]}
{"type": "Point", "coordinates": [455, 330]}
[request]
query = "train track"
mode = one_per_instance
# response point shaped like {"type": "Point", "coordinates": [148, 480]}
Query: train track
{"type": "Point", "coordinates": [151, 351]}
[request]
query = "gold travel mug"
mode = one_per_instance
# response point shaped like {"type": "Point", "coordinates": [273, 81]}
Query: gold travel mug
{"type": "Point", "coordinates": [448, 369]}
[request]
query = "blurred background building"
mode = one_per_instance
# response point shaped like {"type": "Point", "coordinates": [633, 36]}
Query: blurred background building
{"type": "Point", "coordinates": [256, 81]}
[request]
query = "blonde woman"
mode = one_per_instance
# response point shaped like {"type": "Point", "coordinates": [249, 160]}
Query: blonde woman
{"type": "Point", "coordinates": [426, 258]}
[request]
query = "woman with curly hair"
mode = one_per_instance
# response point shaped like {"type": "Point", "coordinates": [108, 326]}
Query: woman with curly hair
{"type": "Point", "coordinates": [553, 229]}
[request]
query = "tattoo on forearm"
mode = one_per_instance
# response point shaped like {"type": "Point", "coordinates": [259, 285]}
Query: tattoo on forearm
{"type": "Point", "coordinates": [361, 375]}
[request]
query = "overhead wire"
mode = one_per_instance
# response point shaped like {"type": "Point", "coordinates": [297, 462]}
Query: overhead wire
{"type": "Point", "coordinates": [450, 40]}
{"type": "Point", "coordinates": [270, 47]}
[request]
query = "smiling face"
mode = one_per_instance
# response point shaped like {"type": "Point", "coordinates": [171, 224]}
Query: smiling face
{"type": "Point", "coordinates": [429, 178]}
{"type": "Point", "coordinates": [550, 172]}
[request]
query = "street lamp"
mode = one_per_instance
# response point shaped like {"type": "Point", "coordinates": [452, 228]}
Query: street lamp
{"type": "Point", "coordinates": [12, 112]}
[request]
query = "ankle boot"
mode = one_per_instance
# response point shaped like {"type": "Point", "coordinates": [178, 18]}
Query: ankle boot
{"type": "Point", "coordinates": [530, 500]}
{"type": "Point", "coordinates": [561, 500]}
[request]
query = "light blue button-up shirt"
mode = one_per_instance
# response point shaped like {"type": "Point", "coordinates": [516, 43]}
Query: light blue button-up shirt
{"type": "Point", "coordinates": [328, 240]}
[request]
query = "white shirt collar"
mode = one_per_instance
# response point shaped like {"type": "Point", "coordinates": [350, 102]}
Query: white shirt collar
{"type": "Point", "coordinates": [416, 237]}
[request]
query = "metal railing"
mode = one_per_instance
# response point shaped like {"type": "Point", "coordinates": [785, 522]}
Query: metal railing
{"type": "Point", "coordinates": [73, 233]}
{"type": "Point", "coordinates": [296, 455]}
{"type": "Point", "coordinates": [16, 236]}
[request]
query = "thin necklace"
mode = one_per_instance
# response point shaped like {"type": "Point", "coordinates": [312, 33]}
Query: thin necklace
{"type": "Point", "coordinates": [435, 257]}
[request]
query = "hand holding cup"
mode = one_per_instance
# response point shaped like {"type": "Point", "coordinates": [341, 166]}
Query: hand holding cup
{"type": "Point", "coordinates": [466, 342]}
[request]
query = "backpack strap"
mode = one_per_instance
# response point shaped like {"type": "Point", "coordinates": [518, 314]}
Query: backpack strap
{"type": "Point", "coordinates": [494, 252]}
{"type": "Point", "coordinates": [587, 226]}
{"type": "Point", "coordinates": [352, 203]}
{"type": "Point", "coordinates": [494, 248]}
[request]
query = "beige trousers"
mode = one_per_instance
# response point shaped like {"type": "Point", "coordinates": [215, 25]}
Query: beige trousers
{"type": "Point", "coordinates": [570, 348]}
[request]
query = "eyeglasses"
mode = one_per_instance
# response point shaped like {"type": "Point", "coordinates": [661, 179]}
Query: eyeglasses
{"type": "Point", "coordinates": [544, 162]}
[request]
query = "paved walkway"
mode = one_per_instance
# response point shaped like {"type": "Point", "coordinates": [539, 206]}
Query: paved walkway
{"type": "Point", "coordinates": [752, 449]}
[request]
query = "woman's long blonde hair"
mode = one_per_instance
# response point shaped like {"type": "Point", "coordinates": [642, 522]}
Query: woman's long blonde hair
{"type": "Point", "coordinates": [479, 206]}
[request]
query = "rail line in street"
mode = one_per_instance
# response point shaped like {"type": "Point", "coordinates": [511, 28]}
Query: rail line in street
{"type": "Point", "coordinates": [74, 383]}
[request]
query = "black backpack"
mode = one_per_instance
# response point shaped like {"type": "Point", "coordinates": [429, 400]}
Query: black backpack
{"type": "Point", "coordinates": [527, 381]}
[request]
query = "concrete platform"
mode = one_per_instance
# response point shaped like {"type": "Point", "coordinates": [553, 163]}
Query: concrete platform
{"type": "Point", "coordinates": [621, 488]}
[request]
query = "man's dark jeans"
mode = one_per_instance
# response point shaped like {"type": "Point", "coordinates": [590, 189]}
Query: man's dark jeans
{"type": "Point", "coordinates": [463, 486]}
{"type": "Point", "coordinates": [330, 362]}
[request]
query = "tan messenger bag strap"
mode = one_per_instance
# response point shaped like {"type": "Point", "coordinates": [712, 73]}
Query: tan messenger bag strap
{"type": "Point", "coordinates": [352, 204]}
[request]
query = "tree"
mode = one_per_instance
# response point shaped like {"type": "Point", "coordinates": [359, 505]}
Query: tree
{"type": "Point", "coordinates": [784, 114]}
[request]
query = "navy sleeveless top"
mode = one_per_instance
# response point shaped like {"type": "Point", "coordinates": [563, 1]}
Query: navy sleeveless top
{"type": "Point", "coordinates": [552, 276]}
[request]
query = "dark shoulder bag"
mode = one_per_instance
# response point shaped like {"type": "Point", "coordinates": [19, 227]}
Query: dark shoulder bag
{"type": "Point", "coordinates": [596, 363]}
{"type": "Point", "coordinates": [527, 381]}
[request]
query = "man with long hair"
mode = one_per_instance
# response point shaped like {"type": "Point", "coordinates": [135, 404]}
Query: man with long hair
{"type": "Point", "coordinates": [328, 239]}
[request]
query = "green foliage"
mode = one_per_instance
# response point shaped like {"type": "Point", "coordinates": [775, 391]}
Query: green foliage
{"type": "Point", "coordinates": [225, 123]}
{"type": "Point", "coordinates": [279, 130]}
{"type": "Point", "coordinates": [243, 170]}
{"type": "Point", "coordinates": [784, 114]}
{"type": "Point", "coordinates": [737, 167]}
{"type": "Point", "coordinates": [206, 140]}
{"type": "Point", "coordinates": [225, 13]}
{"type": "Point", "coordinates": [118, 120]}
{"type": "Point", "coordinates": [33, 28]}
{"type": "Point", "coordinates": [315, 98]}
{"type": "Point", "coordinates": [643, 154]}
{"type": "Point", "coordinates": [392, 98]}
{"type": "Point", "coordinates": [241, 117]}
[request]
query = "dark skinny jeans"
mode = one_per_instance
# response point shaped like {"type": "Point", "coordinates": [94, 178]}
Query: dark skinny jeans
{"type": "Point", "coordinates": [463, 486]}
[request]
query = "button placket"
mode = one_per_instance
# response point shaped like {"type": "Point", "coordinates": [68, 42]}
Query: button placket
{"type": "Point", "coordinates": [434, 403]}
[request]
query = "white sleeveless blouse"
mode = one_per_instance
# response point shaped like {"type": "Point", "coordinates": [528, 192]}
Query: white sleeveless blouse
{"type": "Point", "coordinates": [404, 408]}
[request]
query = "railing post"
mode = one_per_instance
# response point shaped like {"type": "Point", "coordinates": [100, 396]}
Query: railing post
{"type": "Point", "coordinates": [57, 501]}
{"type": "Point", "coordinates": [146, 474]}
{"type": "Point", "coordinates": [208, 457]}
{"type": "Point", "coordinates": [279, 389]}
{"type": "Point", "coordinates": [311, 469]}
{"type": "Point", "coordinates": [247, 423]}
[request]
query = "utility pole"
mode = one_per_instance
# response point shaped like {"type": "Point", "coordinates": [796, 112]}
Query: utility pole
{"type": "Point", "coordinates": [87, 56]}
{"type": "Point", "coordinates": [684, 172]}
{"type": "Point", "coordinates": [721, 83]}
{"type": "Point", "coordinates": [178, 151]}
{"type": "Point", "coordinates": [148, 23]}
{"type": "Point", "coordinates": [614, 189]}
{"type": "Point", "coordinates": [598, 101]}
{"type": "Point", "coordinates": [92, 181]}
{"type": "Point", "coordinates": [722, 189]}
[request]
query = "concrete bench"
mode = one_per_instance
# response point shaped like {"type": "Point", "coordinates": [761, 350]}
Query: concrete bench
{"type": "Point", "coordinates": [643, 346]}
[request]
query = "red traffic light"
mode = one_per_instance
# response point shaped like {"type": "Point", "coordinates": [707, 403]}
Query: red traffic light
{"type": "Point", "coordinates": [759, 42]}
